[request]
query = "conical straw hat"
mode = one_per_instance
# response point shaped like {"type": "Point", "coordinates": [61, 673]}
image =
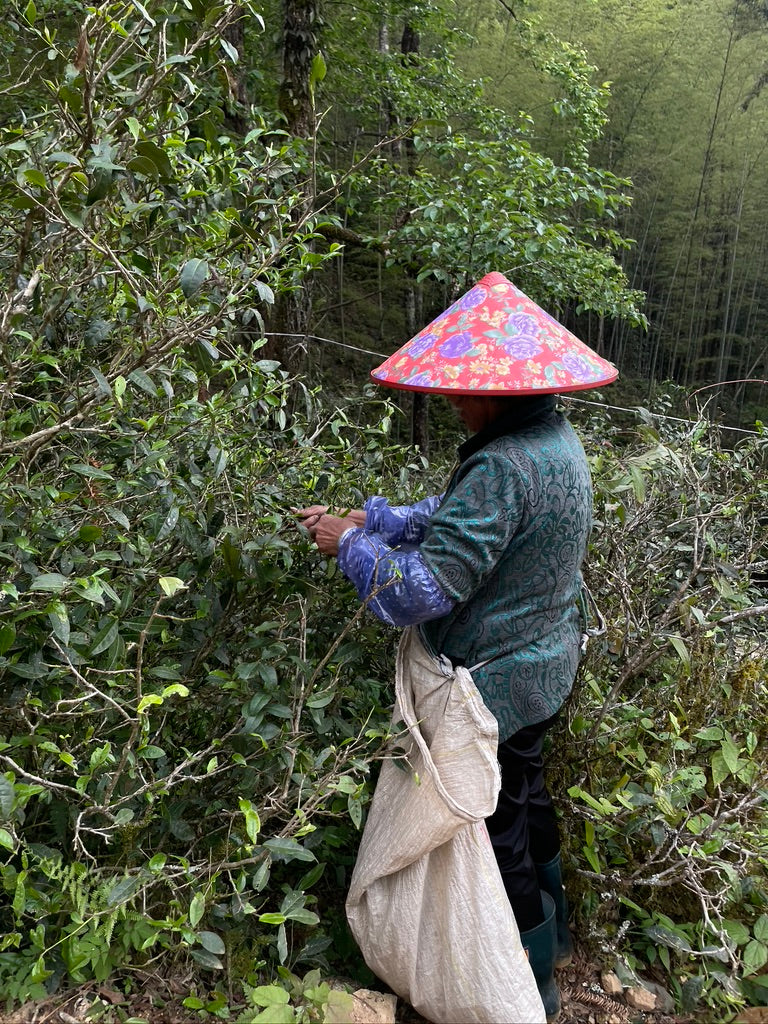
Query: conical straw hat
{"type": "Point", "coordinates": [496, 340]}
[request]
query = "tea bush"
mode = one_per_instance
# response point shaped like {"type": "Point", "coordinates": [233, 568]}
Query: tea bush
{"type": "Point", "coordinates": [664, 760]}
{"type": "Point", "coordinates": [188, 713]}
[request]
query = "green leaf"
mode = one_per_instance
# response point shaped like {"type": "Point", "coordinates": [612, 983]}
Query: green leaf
{"type": "Point", "coordinates": [90, 533]}
{"type": "Point", "coordinates": [101, 380]}
{"type": "Point", "coordinates": [7, 797]}
{"type": "Point", "coordinates": [288, 849]}
{"type": "Point", "coordinates": [229, 49]}
{"type": "Point", "coordinates": [266, 295]}
{"type": "Point", "coordinates": [755, 956]}
{"type": "Point", "coordinates": [35, 177]}
{"type": "Point", "coordinates": [144, 166]}
{"type": "Point", "coordinates": [312, 876]}
{"type": "Point", "coordinates": [151, 752]}
{"type": "Point", "coordinates": [712, 732]}
{"type": "Point", "coordinates": [207, 959]}
{"type": "Point", "coordinates": [666, 937]}
{"type": "Point", "coordinates": [49, 582]}
{"type": "Point", "coordinates": [737, 931]}
{"type": "Point", "coordinates": [339, 1007]}
{"type": "Point", "coordinates": [90, 472]}
{"type": "Point", "coordinates": [171, 585]}
{"type": "Point", "coordinates": [269, 995]}
{"type": "Point", "coordinates": [591, 855]}
{"type": "Point", "coordinates": [212, 942]}
{"type": "Point", "coordinates": [355, 809]}
{"type": "Point", "coordinates": [169, 525]}
{"type": "Point", "coordinates": [144, 381]}
{"type": "Point", "coordinates": [62, 158]}
{"type": "Point", "coordinates": [261, 876]}
{"type": "Point", "coordinates": [147, 701]}
{"type": "Point", "coordinates": [193, 275]}
{"type": "Point", "coordinates": [720, 770]}
{"type": "Point", "coordinates": [760, 929]}
{"type": "Point", "coordinates": [6, 840]}
{"type": "Point", "coordinates": [148, 150]}
{"type": "Point", "coordinates": [275, 1015]}
{"type": "Point", "coordinates": [144, 13]}
{"type": "Point", "coordinates": [134, 127]}
{"type": "Point", "coordinates": [73, 217]}
{"type": "Point", "coordinates": [59, 620]}
{"type": "Point", "coordinates": [105, 637]}
{"type": "Point", "coordinates": [731, 755]}
{"type": "Point", "coordinates": [175, 689]}
{"type": "Point", "coordinates": [207, 347]}
{"type": "Point", "coordinates": [271, 918]}
{"type": "Point", "coordinates": [122, 890]}
{"type": "Point", "coordinates": [30, 12]}
{"type": "Point", "coordinates": [119, 517]}
{"type": "Point", "coordinates": [101, 179]}
{"type": "Point", "coordinates": [196, 909]}
{"type": "Point", "coordinates": [7, 636]}
{"type": "Point", "coordinates": [252, 820]}
{"type": "Point", "coordinates": [682, 651]}
{"type": "Point", "coordinates": [303, 916]}
{"type": "Point", "coordinates": [346, 784]}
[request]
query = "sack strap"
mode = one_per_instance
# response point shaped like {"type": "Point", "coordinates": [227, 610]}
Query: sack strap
{"type": "Point", "coordinates": [404, 699]}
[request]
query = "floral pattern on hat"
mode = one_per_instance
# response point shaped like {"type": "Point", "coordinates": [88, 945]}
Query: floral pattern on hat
{"type": "Point", "coordinates": [496, 340]}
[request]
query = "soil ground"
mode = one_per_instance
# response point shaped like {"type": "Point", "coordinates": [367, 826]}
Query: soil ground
{"type": "Point", "coordinates": [160, 1002]}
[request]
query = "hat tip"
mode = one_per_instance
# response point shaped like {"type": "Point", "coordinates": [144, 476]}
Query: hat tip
{"type": "Point", "coordinates": [492, 279]}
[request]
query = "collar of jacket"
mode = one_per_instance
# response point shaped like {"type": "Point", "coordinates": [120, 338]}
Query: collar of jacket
{"type": "Point", "coordinates": [522, 412]}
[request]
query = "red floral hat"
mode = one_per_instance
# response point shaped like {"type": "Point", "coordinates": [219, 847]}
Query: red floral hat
{"type": "Point", "coordinates": [496, 340]}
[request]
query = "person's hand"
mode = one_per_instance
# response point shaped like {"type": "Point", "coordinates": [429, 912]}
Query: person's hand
{"type": "Point", "coordinates": [310, 516]}
{"type": "Point", "coordinates": [326, 531]}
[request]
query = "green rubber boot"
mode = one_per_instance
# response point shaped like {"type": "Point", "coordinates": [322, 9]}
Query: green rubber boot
{"type": "Point", "coordinates": [551, 881]}
{"type": "Point", "coordinates": [539, 943]}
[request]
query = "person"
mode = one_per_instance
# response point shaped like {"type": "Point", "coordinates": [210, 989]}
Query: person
{"type": "Point", "coordinates": [490, 570]}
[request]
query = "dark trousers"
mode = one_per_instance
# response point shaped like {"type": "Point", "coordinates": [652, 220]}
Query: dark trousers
{"type": "Point", "coordinates": [523, 828]}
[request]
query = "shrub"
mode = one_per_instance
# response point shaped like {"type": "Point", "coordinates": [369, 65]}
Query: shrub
{"type": "Point", "coordinates": [664, 758]}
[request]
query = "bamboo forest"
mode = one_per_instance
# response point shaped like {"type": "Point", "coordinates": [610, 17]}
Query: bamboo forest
{"type": "Point", "coordinates": [217, 217]}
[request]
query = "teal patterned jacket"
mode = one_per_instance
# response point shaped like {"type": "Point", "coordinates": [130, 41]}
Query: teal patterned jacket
{"type": "Point", "coordinates": [507, 543]}
{"type": "Point", "coordinates": [491, 569]}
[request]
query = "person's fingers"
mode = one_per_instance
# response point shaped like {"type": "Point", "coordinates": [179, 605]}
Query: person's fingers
{"type": "Point", "coordinates": [311, 512]}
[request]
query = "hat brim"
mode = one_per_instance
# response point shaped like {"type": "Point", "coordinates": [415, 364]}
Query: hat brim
{"type": "Point", "coordinates": [493, 392]}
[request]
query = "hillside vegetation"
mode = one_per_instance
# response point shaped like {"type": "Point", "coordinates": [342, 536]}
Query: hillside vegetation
{"type": "Point", "coordinates": [193, 705]}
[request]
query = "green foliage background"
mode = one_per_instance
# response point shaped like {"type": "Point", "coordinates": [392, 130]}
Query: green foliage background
{"type": "Point", "coordinates": [192, 703]}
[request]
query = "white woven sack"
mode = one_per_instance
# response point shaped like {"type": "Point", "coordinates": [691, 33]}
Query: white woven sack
{"type": "Point", "coordinates": [426, 903]}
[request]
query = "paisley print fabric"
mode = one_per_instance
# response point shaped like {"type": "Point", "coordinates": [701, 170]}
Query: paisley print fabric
{"type": "Point", "coordinates": [507, 543]}
{"type": "Point", "coordinates": [496, 340]}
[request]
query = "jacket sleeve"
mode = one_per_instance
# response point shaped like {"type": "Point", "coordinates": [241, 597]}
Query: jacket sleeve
{"type": "Point", "coordinates": [396, 585]}
{"type": "Point", "coordinates": [400, 524]}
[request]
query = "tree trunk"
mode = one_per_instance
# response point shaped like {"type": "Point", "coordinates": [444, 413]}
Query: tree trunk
{"type": "Point", "coordinates": [292, 313]}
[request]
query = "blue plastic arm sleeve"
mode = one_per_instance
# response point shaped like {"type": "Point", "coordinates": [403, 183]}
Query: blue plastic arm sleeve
{"type": "Point", "coordinates": [400, 524]}
{"type": "Point", "coordinates": [396, 585]}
